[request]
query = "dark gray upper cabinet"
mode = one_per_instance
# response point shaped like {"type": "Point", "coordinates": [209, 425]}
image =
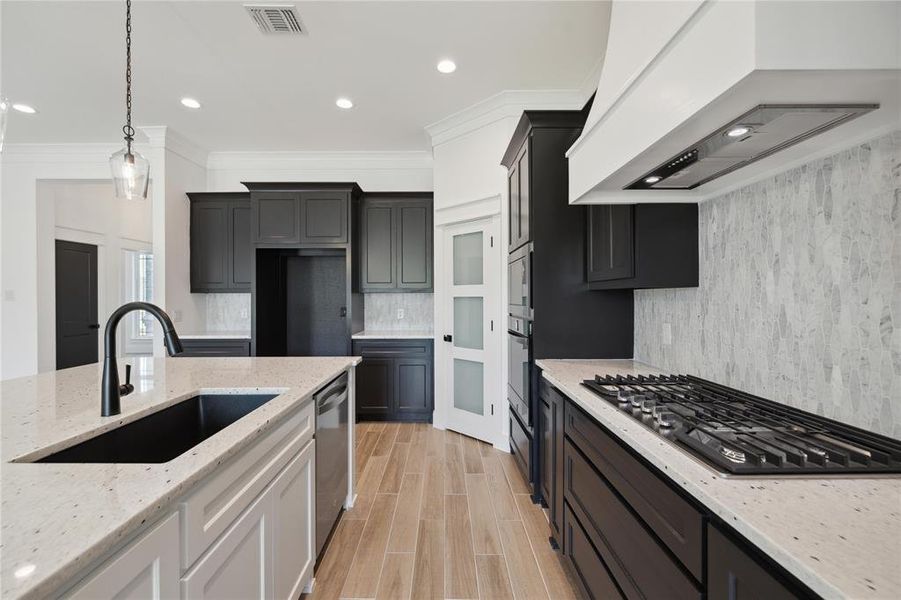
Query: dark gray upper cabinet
{"type": "Point", "coordinates": [323, 217]}
{"type": "Point", "coordinates": [414, 244]}
{"type": "Point", "coordinates": [396, 240]}
{"type": "Point", "coordinates": [519, 199]}
{"type": "Point", "coordinates": [276, 218]}
{"type": "Point", "coordinates": [220, 242]}
{"type": "Point", "coordinates": [642, 246]}
{"type": "Point", "coordinates": [302, 214]}
{"type": "Point", "coordinates": [610, 250]}
{"type": "Point", "coordinates": [378, 252]}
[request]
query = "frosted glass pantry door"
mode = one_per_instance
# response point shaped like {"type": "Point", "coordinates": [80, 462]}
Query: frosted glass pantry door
{"type": "Point", "coordinates": [472, 282]}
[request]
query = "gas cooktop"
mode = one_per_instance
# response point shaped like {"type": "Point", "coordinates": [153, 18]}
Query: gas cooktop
{"type": "Point", "coordinates": [743, 434]}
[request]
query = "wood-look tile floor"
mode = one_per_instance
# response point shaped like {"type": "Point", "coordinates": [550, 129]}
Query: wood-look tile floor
{"type": "Point", "coordinates": [439, 515]}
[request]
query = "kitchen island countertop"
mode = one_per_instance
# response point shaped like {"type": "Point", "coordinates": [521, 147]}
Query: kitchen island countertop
{"type": "Point", "coordinates": [57, 519]}
{"type": "Point", "coordinates": [840, 536]}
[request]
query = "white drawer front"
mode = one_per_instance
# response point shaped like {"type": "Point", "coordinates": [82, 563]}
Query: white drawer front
{"type": "Point", "coordinates": [217, 503]}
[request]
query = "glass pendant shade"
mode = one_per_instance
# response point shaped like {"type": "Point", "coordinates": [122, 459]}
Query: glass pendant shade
{"type": "Point", "coordinates": [131, 174]}
{"type": "Point", "coordinates": [4, 116]}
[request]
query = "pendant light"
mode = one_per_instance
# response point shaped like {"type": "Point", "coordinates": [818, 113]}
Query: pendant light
{"type": "Point", "coordinates": [131, 171]}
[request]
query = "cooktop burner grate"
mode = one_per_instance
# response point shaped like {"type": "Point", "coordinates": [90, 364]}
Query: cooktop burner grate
{"type": "Point", "coordinates": [744, 434]}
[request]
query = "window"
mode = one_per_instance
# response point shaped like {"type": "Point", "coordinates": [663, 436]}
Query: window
{"type": "Point", "coordinates": [138, 328]}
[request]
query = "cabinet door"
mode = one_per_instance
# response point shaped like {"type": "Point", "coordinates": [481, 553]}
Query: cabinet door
{"type": "Point", "coordinates": [610, 242]}
{"type": "Point", "coordinates": [239, 563]}
{"type": "Point", "coordinates": [414, 386]}
{"type": "Point", "coordinates": [239, 245]}
{"type": "Point", "coordinates": [734, 575]}
{"type": "Point", "coordinates": [555, 512]}
{"type": "Point", "coordinates": [378, 272]}
{"type": "Point", "coordinates": [525, 196]}
{"type": "Point", "coordinates": [146, 569]}
{"type": "Point", "coordinates": [513, 206]}
{"type": "Point", "coordinates": [209, 246]}
{"type": "Point", "coordinates": [414, 245]}
{"type": "Point", "coordinates": [375, 386]}
{"type": "Point", "coordinates": [323, 217]}
{"type": "Point", "coordinates": [546, 452]}
{"type": "Point", "coordinates": [293, 525]}
{"type": "Point", "coordinates": [276, 218]}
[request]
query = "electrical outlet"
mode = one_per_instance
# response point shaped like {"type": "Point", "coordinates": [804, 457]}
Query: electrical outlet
{"type": "Point", "coordinates": [667, 334]}
{"type": "Point", "coordinates": [400, 314]}
{"type": "Point", "coordinates": [244, 313]}
{"type": "Point", "coordinates": [176, 315]}
{"type": "Point", "coordinates": [9, 295]}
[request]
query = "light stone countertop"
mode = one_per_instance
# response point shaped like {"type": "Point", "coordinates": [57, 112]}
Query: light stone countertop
{"type": "Point", "coordinates": [374, 334]}
{"type": "Point", "coordinates": [839, 536]}
{"type": "Point", "coordinates": [216, 335]}
{"type": "Point", "coordinates": [57, 519]}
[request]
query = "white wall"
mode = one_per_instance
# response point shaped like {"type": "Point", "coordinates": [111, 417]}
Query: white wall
{"type": "Point", "coordinates": [176, 167]}
{"type": "Point", "coordinates": [22, 167]}
{"type": "Point", "coordinates": [373, 171]}
{"type": "Point", "coordinates": [86, 212]}
{"type": "Point", "coordinates": [471, 183]}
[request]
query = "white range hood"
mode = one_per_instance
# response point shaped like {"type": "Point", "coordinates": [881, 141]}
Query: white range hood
{"type": "Point", "coordinates": [697, 97]}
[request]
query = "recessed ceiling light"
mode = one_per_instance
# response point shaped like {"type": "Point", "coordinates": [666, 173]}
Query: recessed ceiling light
{"type": "Point", "coordinates": [344, 103]}
{"type": "Point", "coordinates": [190, 103]}
{"type": "Point", "coordinates": [652, 179]}
{"type": "Point", "coordinates": [24, 108]}
{"type": "Point", "coordinates": [447, 66]}
{"type": "Point", "coordinates": [738, 131]}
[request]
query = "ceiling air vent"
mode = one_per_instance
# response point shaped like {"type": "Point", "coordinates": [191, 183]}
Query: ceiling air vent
{"type": "Point", "coordinates": [275, 18]}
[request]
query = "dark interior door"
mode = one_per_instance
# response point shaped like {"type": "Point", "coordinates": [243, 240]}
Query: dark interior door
{"type": "Point", "coordinates": [76, 304]}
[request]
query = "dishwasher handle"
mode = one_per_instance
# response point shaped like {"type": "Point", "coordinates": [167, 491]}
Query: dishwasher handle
{"type": "Point", "coordinates": [333, 399]}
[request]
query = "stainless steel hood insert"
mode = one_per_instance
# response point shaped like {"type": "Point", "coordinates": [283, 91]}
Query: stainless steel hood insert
{"type": "Point", "coordinates": [760, 132]}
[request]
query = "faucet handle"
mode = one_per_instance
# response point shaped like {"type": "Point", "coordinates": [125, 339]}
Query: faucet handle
{"type": "Point", "coordinates": [127, 388]}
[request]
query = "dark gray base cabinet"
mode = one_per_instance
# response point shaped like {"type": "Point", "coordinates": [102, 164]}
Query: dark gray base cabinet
{"type": "Point", "coordinates": [395, 380]}
{"type": "Point", "coordinates": [220, 347]}
{"type": "Point", "coordinates": [550, 456]}
{"type": "Point", "coordinates": [629, 532]}
{"type": "Point", "coordinates": [221, 252]}
{"type": "Point", "coordinates": [642, 246]}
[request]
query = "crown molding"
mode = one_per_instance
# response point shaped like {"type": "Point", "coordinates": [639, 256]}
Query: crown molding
{"type": "Point", "coordinates": [509, 103]}
{"type": "Point", "coordinates": [57, 153]}
{"type": "Point", "coordinates": [163, 136]}
{"type": "Point", "coordinates": [311, 160]}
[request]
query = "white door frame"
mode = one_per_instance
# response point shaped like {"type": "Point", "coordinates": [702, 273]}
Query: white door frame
{"type": "Point", "coordinates": [495, 367]}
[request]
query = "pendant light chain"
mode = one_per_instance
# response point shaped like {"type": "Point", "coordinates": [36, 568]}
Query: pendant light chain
{"type": "Point", "coordinates": [128, 130]}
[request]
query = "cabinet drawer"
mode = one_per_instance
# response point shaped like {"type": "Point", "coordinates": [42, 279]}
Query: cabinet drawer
{"type": "Point", "coordinates": [678, 524]}
{"type": "Point", "coordinates": [404, 348]}
{"type": "Point", "coordinates": [734, 574]}
{"type": "Point", "coordinates": [597, 583]}
{"type": "Point", "coordinates": [213, 348]}
{"type": "Point", "coordinates": [640, 565]}
{"type": "Point", "coordinates": [521, 445]}
{"type": "Point", "coordinates": [211, 509]}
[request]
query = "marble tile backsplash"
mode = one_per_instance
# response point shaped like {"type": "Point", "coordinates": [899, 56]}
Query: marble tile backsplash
{"type": "Point", "coordinates": [227, 312]}
{"type": "Point", "coordinates": [800, 290]}
{"type": "Point", "coordinates": [381, 312]}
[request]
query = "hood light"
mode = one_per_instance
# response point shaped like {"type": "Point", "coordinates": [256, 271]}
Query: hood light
{"type": "Point", "coordinates": [738, 131]}
{"type": "Point", "coordinates": [652, 179]}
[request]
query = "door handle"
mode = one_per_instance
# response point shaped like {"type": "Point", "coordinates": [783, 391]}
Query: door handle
{"type": "Point", "coordinates": [94, 326]}
{"type": "Point", "coordinates": [448, 338]}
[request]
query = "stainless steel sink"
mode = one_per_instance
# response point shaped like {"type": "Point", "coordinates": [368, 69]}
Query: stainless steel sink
{"type": "Point", "coordinates": [162, 436]}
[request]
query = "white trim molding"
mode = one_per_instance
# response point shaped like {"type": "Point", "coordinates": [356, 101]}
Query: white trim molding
{"type": "Point", "coordinates": [468, 211]}
{"type": "Point", "coordinates": [509, 103]}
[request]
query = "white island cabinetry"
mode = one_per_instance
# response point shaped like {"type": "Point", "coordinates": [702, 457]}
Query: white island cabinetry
{"type": "Point", "coordinates": [247, 531]}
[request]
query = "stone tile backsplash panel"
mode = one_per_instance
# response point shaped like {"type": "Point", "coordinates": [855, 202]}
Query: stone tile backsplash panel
{"type": "Point", "coordinates": [800, 290]}
{"type": "Point", "coordinates": [381, 312]}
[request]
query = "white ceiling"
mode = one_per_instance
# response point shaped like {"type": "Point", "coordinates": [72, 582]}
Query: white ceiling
{"type": "Point", "coordinates": [276, 92]}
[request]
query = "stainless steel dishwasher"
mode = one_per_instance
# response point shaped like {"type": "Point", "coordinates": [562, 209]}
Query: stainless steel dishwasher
{"type": "Point", "coordinates": [331, 456]}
